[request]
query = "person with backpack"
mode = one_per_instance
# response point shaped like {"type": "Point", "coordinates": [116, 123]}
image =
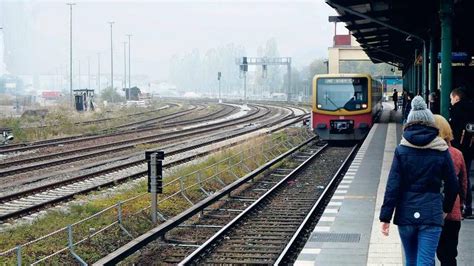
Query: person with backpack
{"type": "Point", "coordinates": [447, 250]}
{"type": "Point", "coordinates": [461, 119]}
{"type": "Point", "coordinates": [421, 166]}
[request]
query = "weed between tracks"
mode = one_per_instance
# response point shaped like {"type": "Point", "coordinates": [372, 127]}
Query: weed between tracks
{"type": "Point", "coordinates": [98, 240]}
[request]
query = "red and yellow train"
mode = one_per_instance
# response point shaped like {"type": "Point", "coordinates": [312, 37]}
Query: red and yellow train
{"type": "Point", "coordinates": [345, 105]}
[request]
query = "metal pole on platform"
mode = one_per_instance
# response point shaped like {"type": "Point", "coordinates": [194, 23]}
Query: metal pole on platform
{"type": "Point", "coordinates": [433, 65]}
{"type": "Point", "coordinates": [416, 73]}
{"type": "Point", "coordinates": [424, 74]}
{"type": "Point", "coordinates": [446, 14]}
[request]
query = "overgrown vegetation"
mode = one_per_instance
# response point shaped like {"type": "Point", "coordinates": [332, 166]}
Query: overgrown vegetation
{"type": "Point", "coordinates": [63, 121]}
{"type": "Point", "coordinates": [111, 95]}
{"type": "Point", "coordinates": [136, 220]}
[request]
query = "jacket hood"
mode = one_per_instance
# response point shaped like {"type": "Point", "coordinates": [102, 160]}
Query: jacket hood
{"type": "Point", "coordinates": [437, 143]}
{"type": "Point", "coordinates": [420, 134]}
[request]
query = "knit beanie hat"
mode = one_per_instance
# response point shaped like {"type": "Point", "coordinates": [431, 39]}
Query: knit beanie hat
{"type": "Point", "coordinates": [419, 111]}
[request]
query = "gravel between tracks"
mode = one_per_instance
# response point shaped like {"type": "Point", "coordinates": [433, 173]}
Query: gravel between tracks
{"type": "Point", "coordinates": [312, 179]}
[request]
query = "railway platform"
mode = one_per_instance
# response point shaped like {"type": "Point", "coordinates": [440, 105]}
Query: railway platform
{"type": "Point", "coordinates": [348, 231]}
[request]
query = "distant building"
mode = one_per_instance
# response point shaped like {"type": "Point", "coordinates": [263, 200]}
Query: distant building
{"type": "Point", "coordinates": [132, 94]}
{"type": "Point", "coordinates": [51, 95]}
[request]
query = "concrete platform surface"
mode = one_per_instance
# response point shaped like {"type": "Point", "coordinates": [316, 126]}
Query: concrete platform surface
{"type": "Point", "coordinates": [348, 232]}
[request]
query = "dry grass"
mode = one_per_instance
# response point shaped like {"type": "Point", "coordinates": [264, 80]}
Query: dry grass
{"type": "Point", "coordinates": [134, 221]}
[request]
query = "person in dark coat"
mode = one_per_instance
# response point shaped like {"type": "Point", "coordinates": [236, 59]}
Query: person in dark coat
{"type": "Point", "coordinates": [407, 107]}
{"type": "Point", "coordinates": [395, 99]}
{"type": "Point", "coordinates": [421, 166]}
{"type": "Point", "coordinates": [461, 112]}
{"type": "Point", "coordinates": [434, 102]}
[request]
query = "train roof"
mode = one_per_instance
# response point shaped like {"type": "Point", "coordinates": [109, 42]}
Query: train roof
{"type": "Point", "coordinates": [343, 75]}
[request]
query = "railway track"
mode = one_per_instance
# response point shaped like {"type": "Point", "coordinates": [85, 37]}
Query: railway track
{"type": "Point", "coordinates": [262, 233]}
{"type": "Point", "coordinates": [151, 124]}
{"type": "Point", "coordinates": [80, 139]}
{"type": "Point", "coordinates": [47, 160]}
{"type": "Point", "coordinates": [102, 120]}
{"type": "Point", "coordinates": [259, 223]}
{"type": "Point", "coordinates": [97, 121]}
{"type": "Point", "coordinates": [31, 200]}
{"type": "Point", "coordinates": [20, 147]}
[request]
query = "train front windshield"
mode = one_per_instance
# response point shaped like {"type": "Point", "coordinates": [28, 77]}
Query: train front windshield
{"type": "Point", "coordinates": [350, 94]}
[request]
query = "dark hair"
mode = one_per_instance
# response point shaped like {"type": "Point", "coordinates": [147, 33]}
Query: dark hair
{"type": "Point", "coordinates": [459, 92]}
{"type": "Point", "coordinates": [411, 95]}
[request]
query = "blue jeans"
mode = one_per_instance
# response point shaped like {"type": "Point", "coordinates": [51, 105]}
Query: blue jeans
{"type": "Point", "coordinates": [419, 243]}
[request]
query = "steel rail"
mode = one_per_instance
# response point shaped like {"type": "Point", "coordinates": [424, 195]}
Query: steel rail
{"type": "Point", "coordinates": [216, 237]}
{"type": "Point", "coordinates": [23, 211]}
{"type": "Point", "coordinates": [136, 244]}
{"type": "Point", "coordinates": [98, 150]}
{"type": "Point", "coordinates": [283, 258]}
{"type": "Point", "coordinates": [140, 129]}
{"type": "Point", "coordinates": [72, 139]}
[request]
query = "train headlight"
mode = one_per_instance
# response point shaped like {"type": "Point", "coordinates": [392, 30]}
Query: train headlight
{"type": "Point", "coordinates": [364, 105]}
{"type": "Point", "coordinates": [319, 106]}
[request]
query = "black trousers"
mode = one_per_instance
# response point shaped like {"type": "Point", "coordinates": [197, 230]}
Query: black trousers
{"type": "Point", "coordinates": [448, 243]}
{"type": "Point", "coordinates": [468, 202]}
{"type": "Point", "coordinates": [395, 103]}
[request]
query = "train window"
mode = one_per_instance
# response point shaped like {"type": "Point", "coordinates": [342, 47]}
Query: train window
{"type": "Point", "coordinates": [350, 94]}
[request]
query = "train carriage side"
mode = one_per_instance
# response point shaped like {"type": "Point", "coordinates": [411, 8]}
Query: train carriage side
{"type": "Point", "coordinates": [345, 105]}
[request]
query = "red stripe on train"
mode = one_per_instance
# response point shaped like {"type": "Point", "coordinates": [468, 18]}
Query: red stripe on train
{"type": "Point", "coordinates": [358, 119]}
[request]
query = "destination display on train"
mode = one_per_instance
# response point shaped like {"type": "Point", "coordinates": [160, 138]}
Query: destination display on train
{"type": "Point", "coordinates": [354, 81]}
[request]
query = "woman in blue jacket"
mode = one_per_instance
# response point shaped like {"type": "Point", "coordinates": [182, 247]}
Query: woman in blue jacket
{"type": "Point", "coordinates": [421, 165]}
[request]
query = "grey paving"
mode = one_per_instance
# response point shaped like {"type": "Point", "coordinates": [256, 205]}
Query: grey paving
{"type": "Point", "coordinates": [356, 212]}
{"type": "Point", "coordinates": [466, 237]}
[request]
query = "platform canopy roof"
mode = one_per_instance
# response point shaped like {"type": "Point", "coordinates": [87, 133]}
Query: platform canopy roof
{"type": "Point", "coordinates": [414, 20]}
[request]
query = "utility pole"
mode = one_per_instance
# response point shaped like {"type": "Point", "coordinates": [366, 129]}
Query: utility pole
{"type": "Point", "coordinates": [125, 69]}
{"type": "Point", "coordinates": [112, 61]}
{"type": "Point", "coordinates": [89, 72]}
{"type": "Point", "coordinates": [70, 53]}
{"type": "Point", "coordinates": [245, 88]}
{"type": "Point", "coordinates": [98, 72]}
{"type": "Point", "coordinates": [129, 65]}
{"type": "Point", "coordinates": [79, 72]}
{"type": "Point", "coordinates": [219, 75]}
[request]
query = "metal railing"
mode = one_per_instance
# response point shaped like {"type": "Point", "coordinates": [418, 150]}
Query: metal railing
{"type": "Point", "coordinates": [190, 188]}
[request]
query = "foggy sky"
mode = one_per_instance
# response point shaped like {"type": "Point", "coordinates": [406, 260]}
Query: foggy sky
{"type": "Point", "coordinates": [161, 29]}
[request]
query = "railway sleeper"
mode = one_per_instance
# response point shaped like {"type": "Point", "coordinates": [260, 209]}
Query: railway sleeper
{"type": "Point", "coordinates": [233, 262]}
{"type": "Point", "coordinates": [265, 229]}
{"type": "Point", "coordinates": [251, 247]}
{"type": "Point", "coordinates": [260, 238]}
{"type": "Point", "coordinates": [200, 225]}
{"type": "Point", "coordinates": [266, 250]}
{"type": "Point", "coordinates": [253, 241]}
{"type": "Point", "coordinates": [241, 255]}
{"type": "Point", "coordinates": [261, 233]}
